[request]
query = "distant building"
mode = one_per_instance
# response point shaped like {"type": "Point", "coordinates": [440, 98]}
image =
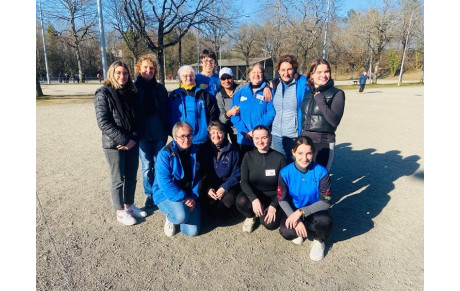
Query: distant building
{"type": "Point", "coordinates": [238, 67]}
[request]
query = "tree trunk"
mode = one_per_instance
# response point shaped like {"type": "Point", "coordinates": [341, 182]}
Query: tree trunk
{"type": "Point", "coordinates": [376, 71]}
{"type": "Point", "coordinates": [38, 88]}
{"type": "Point", "coordinates": [180, 52]}
{"type": "Point", "coordinates": [352, 71]}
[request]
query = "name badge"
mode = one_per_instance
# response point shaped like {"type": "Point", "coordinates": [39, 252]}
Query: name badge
{"type": "Point", "coordinates": [260, 97]}
{"type": "Point", "coordinates": [270, 173]}
{"type": "Point", "coordinates": [243, 98]}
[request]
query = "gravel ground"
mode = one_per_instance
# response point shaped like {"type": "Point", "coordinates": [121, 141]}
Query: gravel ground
{"type": "Point", "coordinates": [377, 241]}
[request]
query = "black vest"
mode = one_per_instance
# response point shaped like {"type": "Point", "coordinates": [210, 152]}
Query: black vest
{"type": "Point", "coordinates": [312, 119]}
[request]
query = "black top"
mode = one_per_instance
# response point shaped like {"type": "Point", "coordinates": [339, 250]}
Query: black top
{"type": "Point", "coordinates": [259, 174]}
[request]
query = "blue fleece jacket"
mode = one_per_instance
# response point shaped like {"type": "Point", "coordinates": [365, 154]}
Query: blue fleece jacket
{"type": "Point", "coordinates": [254, 110]}
{"type": "Point", "coordinates": [194, 107]}
{"type": "Point", "coordinates": [210, 84]}
{"type": "Point", "coordinates": [168, 171]}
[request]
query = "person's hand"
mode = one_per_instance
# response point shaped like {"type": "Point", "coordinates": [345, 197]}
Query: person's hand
{"type": "Point", "coordinates": [190, 203]}
{"type": "Point", "coordinates": [267, 94]}
{"type": "Point", "coordinates": [212, 193]}
{"type": "Point", "coordinates": [235, 110]}
{"type": "Point", "coordinates": [293, 219]}
{"type": "Point", "coordinates": [257, 208]}
{"type": "Point", "coordinates": [131, 143]}
{"type": "Point", "coordinates": [270, 214]}
{"type": "Point", "coordinates": [300, 230]}
{"type": "Point", "coordinates": [220, 193]}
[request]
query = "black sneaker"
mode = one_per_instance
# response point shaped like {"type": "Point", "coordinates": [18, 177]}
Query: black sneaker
{"type": "Point", "coordinates": [149, 203]}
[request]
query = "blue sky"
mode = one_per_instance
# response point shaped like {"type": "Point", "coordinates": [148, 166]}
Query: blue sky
{"type": "Point", "coordinates": [254, 6]}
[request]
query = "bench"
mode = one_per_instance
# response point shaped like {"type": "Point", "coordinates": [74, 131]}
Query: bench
{"type": "Point", "coordinates": [355, 82]}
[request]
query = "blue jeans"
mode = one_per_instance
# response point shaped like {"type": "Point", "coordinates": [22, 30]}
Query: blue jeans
{"type": "Point", "coordinates": [283, 145]}
{"type": "Point", "coordinates": [148, 150]}
{"type": "Point", "coordinates": [178, 213]}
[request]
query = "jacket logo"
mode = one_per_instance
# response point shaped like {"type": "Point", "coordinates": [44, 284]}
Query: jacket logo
{"type": "Point", "coordinates": [279, 191]}
{"type": "Point", "coordinates": [243, 98]}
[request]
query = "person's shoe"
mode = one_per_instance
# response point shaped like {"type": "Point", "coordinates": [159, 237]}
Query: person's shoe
{"type": "Point", "coordinates": [126, 218]}
{"type": "Point", "coordinates": [170, 228]}
{"type": "Point", "coordinates": [317, 250]}
{"type": "Point", "coordinates": [136, 212]}
{"type": "Point", "coordinates": [149, 203]}
{"type": "Point", "coordinates": [298, 240]}
{"type": "Point", "coordinates": [248, 224]}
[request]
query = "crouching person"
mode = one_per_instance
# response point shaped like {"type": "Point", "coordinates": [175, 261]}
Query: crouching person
{"type": "Point", "coordinates": [175, 189]}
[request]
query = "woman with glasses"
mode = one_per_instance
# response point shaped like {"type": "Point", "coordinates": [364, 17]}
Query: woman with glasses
{"type": "Point", "coordinates": [117, 113]}
{"type": "Point", "coordinates": [259, 182]}
{"type": "Point", "coordinates": [191, 104]}
{"type": "Point", "coordinates": [253, 108]}
{"type": "Point", "coordinates": [175, 189]}
{"type": "Point", "coordinates": [220, 168]}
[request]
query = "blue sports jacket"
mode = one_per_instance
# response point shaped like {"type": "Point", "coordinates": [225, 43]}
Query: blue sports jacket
{"type": "Point", "coordinates": [168, 171]}
{"type": "Point", "coordinates": [194, 107]}
{"type": "Point", "coordinates": [254, 110]}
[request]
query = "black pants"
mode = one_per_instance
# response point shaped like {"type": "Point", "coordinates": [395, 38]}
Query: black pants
{"type": "Point", "coordinates": [210, 206]}
{"type": "Point", "coordinates": [324, 154]}
{"type": "Point", "coordinates": [123, 175]}
{"type": "Point", "coordinates": [322, 225]}
{"type": "Point", "coordinates": [361, 87]}
{"type": "Point", "coordinates": [244, 206]}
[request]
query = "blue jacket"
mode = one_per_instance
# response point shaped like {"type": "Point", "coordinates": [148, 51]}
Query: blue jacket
{"type": "Point", "coordinates": [363, 79]}
{"type": "Point", "coordinates": [301, 90]}
{"type": "Point", "coordinates": [254, 110]}
{"type": "Point", "coordinates": [210, 84]}
{"type": "Point", "coordinates": [303, 188]}
{"type": "Point", "coordinates": [168, 171]}
{"type": "Point", "coordinates": [224, 172]}
{"type": "Point", "coordinates": [194, 107]}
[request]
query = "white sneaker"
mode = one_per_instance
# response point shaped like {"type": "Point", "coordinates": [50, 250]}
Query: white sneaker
{"type": "Point", "coordinates": [125, 218]}
{"type": "Point", "coordinates": [136, 212]}
{"type": "Point", "coordinates": [317, 250]}
{"type": "Point", "coordinates": [298, 240]}
{"type": "Point", "coordinates": [248, 224]}
{"type": "Point", "coordinates": [170, 228]}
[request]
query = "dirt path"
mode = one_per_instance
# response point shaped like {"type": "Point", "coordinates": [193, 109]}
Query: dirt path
{"type": "Point", "coordinates": [377, 240]}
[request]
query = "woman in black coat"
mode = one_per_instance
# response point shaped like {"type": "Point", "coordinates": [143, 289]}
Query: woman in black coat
{"type": "Point", "coordinates": [117, 108]}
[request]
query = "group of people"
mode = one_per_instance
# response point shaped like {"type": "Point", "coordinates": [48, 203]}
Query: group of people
{"type": "Point", "coordinates": [262, 150]}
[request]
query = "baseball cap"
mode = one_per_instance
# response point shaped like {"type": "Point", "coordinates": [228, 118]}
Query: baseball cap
{"type": "Point", "coordinates": [225, 71]}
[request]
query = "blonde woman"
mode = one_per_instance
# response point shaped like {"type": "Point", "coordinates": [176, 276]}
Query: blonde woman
{"type": "Point", "coordinates": [116, 105]}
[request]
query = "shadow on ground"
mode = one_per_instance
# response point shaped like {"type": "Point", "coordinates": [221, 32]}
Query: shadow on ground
{"type": "Point", "coordinates": [361, 183]}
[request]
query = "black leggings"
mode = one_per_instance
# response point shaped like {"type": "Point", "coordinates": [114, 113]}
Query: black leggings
{"type": "Point", "coordinates": [324, 154]}
{"type": "Point", "coordinates": [244, 206]}
{"type": "Point", "coordinates": [322, 225]}
{"type": "Point", "coordinates": [209, 205]}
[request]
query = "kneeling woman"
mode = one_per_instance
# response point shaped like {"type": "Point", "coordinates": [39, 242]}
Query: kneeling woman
{"type": "Point", "coordinates": [304, 195]}
{"type": "Point", "coordinates": [259, 180]}
{"type": "Point", "coordinates": [175, 189]}
{"type": "Point", "coordinates": [220, 167]}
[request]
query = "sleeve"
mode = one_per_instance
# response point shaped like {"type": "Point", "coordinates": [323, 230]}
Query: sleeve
{"type": "Point", "coordinates": [236, 120]}
{"type": "Point", "coordinates": [324, 197]}
{"type": "Point", "coordinates": [166, 182]}
{"type": "Point", "coordinates": [269, 115]}
{"type": "Point", "coordinates": [245, 186]}
{"type": "Point", "coordinates": [105, 120]}
{"type": "Point", "coordinates": [222, 112]}
{"type": "Point", "coordinates": [212, 109]}
{"type": "Point", "coordinates": [236, 173]}
{"type": "Point", "coordinates": [282, 196]}
{"type": "Point", "coordinates": [334, 114]}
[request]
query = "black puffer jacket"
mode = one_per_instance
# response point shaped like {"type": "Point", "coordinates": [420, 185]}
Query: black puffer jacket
{"type": "Point", "coordinates": [117, 115]}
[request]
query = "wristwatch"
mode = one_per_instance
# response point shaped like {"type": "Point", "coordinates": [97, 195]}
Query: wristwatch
{"type": "Point", "coordinates": [301, 212]}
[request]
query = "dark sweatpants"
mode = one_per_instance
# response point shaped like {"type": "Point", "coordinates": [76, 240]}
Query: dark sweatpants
{"type": "Point", "coordinates": [322, 225]}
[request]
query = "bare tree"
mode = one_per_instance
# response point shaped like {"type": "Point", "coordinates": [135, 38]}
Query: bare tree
{"type": "Point", "coordinates": [154, 20]}
{"type": "Point", "coordinates": [246, 43]}
{"type": "Point", "coordinates": [79, 18]}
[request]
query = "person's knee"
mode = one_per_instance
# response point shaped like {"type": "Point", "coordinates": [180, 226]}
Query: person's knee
{"type": "Point", "coordinates": [178, 216]}
{"type": "Point", "coordinates": [190, 230]}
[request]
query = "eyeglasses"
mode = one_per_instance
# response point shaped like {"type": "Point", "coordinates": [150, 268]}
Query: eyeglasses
{"type": "Point", "coordinates": [183, 137]}
{"type": "Point", "coordinates": [212, 62]}
{"type": "Point", "coordinates": [226, 78]}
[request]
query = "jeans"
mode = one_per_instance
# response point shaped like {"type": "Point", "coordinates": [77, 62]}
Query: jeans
{"type": "Point", "coordinates": [283, 145]}
{"type": "Point", "coordinates": [179, 213]}
{"type": "Point", "coordinates": [148, 150]}
{"type": "Point", "coordinates": [123, 175]}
